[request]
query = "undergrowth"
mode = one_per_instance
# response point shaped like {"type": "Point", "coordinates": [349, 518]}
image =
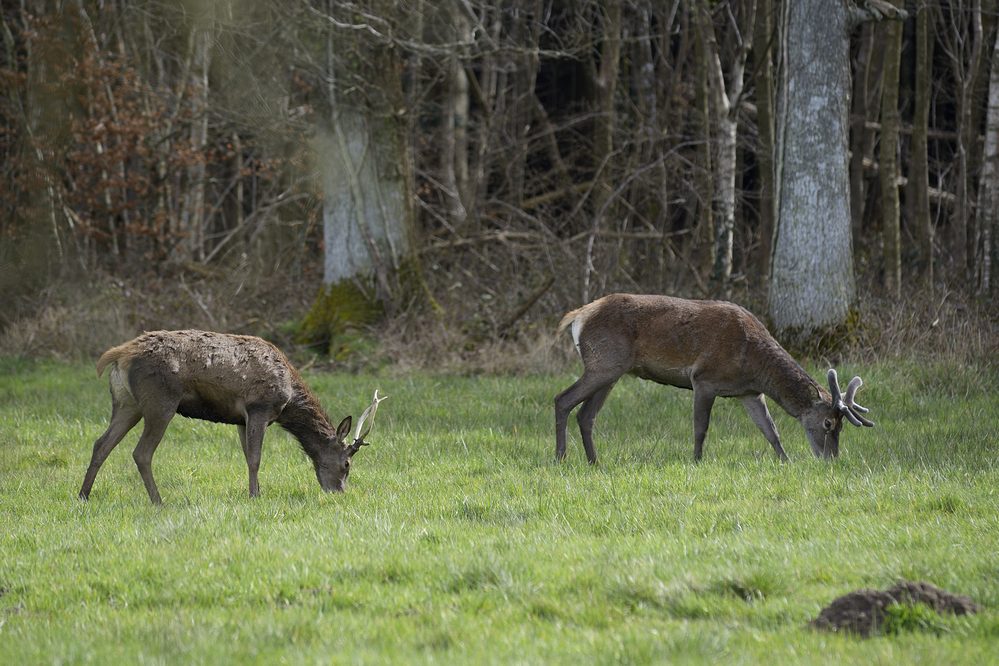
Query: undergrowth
{"type": "Point", "coordinates": [76, 320]}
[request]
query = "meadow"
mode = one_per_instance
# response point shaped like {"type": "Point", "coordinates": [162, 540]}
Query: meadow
{"type": "Point", "coordinates": [459, 540]}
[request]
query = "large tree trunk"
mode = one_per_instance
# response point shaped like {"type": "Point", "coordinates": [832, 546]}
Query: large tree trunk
{"type": "Point", "coordinates": [367, 186]}
{"type": "Point", "coordinates": [813, 282]}
{"type": "Point", "coordinates": [888, 158]}
{"type": "Point", "coordinates": [365, 207]}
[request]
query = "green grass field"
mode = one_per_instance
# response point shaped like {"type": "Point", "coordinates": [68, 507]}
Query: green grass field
{"type": "Point", "coordinates": [460, 541]}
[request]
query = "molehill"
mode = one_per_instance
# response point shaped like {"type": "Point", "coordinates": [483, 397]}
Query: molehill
{"type": "Point", "coordinates": [864, 612]}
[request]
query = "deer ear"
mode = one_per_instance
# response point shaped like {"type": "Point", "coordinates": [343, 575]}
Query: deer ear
{"type": "Point", "coordinates": [343, 430]}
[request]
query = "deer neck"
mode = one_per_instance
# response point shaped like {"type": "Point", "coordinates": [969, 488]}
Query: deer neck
{"type": "Point", "coordinates": [307, 422]}
{"type": "Point", "coordinates": [789, 385]}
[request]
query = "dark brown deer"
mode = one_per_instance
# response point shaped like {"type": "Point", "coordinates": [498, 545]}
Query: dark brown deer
{"type": "Point", "coordinates": [237, 379]}
{"type": "Point", "coordinates": [718, 349]}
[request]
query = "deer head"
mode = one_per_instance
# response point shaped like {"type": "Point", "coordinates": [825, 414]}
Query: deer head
{"type": "Point", "coordinates": [824, 421]}
{"type": "Point", "coordinates": [333, 463]}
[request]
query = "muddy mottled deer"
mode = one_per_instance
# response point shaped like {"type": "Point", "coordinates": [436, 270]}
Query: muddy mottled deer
{"type": "Point", "coordinates": [718, 349]}
{"type": "Point", "coordinates": [237, 379]}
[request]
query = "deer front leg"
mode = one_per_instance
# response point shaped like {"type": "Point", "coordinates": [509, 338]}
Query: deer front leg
{"type": "Point", "coordinates": [756, 405]}
{"type": "Point", "coordinates": [251, 436]}
{"type": "Point", "coordinates": [703, 401]}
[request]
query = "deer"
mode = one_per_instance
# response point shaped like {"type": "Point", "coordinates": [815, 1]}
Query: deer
{"type": "Point", "coordinates": [715, 348]}
{"type": "Point", "coordinates": [241, 380]}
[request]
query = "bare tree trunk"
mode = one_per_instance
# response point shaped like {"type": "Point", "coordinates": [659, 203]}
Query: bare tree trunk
{"type": "Point", "coordinates": [487, 88]}
{"type": "Point", "coordinates": [988, 191]}
{"type": "Point", "coordinates": [199, 142]}
{"type": "Point", "coordinates": [919, 178]}
{"type": "Point", "coordinates": [813, 282]}
{"type": "Point", "coordinates": [724, 100]}
{"type": "Point", "coordinates": [367, 182]}
{"type": "Point", "coordinates": [703, 182]}
{"type": "Point", "coordinates": [763, 41]}
{"type": "Point", "coordinates": [454, 156]}
{"type": "Point", "coordinates": [962, 37]}
{"type": "Point", "coordinates": [605, 80]}
{"type": "Point", "coordinates": [888, 170]}
{"type": "Point", "coordinates": [858, 129]}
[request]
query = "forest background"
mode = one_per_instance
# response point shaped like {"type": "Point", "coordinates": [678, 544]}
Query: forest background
{"type": "Point", "coordinates": [432, 184]}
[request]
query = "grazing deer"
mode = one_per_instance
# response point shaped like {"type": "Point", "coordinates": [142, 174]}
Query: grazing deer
{"type": "Point", "coordinates": [237, 379]}
{"type": "Point", "coordinates": [718, 349]}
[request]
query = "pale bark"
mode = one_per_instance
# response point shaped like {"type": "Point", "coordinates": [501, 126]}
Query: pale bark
{"type": "Point", "coordinates": [724, 100]}
{"type": "Point", "coordinates": [364, 203]}
{"type": "Point", "coordinates": [367, 185]}
{"type": "Point", "coordinates": [813, 282]}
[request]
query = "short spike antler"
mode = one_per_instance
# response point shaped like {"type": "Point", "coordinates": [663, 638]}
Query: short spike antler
{"type": "Point", "coordinates": [847, 404]}
{"type": "Point", "coordinates": [367, 418]}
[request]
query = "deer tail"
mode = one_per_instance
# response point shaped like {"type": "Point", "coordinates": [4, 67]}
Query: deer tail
{"type": "Point", "coordinates": [110, 356]}
{"type": "Point", "coordinates": [568, 319]}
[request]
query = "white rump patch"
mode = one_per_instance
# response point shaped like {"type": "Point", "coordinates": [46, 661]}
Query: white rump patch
{"type": "Point", "coordinates": [119, 383]}
{"type": "Point", "coordinates": [577, 328]}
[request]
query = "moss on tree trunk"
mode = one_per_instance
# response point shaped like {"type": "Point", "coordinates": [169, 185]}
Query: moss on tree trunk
{"type": "Point", "coordinates": [336, 321]}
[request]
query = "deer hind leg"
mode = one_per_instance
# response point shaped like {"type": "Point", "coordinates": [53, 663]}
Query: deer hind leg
{"type": "Point", "coordinates": [152, 432]}
{"type": "Point", "coordinates": [756, 405]}
{"type": "Point", "coordinates": [583, 390]}
{"type": "Point", "coordinates": [124, 416]}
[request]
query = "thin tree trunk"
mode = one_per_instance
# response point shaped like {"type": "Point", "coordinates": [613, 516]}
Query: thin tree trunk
{"type": "Point", "coordinates": [763, 40]}
{"type": "Point", "coordinates": [605, 84]}
{"type": "Point", "coordinates": [858, 130]}
{"type": "Point", "coordinates": [723, 101]}
{"type": "Point", "coordinates": [988, 191]}
{"type": "Point", "coordinates": [965, 43]}
{"type": "Point", "coordinates": [199, 143]}
{"type": "Point", "coordinates": [703, 182]}
{"type": "Point", "coordinates": [454, 155]}
{"type": "Point", "coordinates": [919, 179]}
{"type": "Point", "coordinates": [888, 157]}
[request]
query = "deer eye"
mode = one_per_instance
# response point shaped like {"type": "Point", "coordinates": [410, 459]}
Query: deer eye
{"type": "Point", "coordinates": [828, 424]}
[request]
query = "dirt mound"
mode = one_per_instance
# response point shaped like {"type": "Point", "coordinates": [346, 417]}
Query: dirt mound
{"type": "Point", "coordinates": [863, 612]}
